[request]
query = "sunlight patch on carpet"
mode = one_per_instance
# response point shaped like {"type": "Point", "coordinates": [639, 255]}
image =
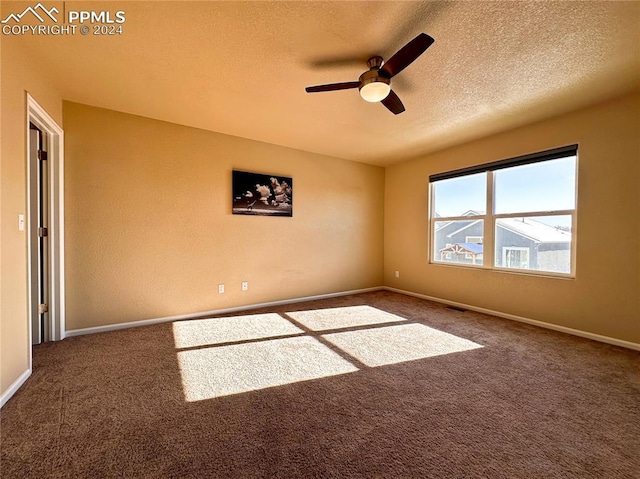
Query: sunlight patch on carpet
{"type": "Point", "coordinates": [396, 344]}
{"type": "Point", "coordinates": [347, 317]}
{"type": "Point", "coordinates": [221, 371]}
{"type": "Point", "coordinates": [237, 354]}
{"type": "Point", "coordinates": [211, 331]}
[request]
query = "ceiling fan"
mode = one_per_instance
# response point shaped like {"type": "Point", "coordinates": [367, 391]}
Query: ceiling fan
{"type": "Point", "coordinates": [375, 83]}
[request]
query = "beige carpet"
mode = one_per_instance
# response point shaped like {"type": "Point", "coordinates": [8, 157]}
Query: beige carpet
{"type": "Point", "coordinates": [371, 385]}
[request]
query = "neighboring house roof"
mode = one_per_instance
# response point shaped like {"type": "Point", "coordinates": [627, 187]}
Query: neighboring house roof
{"type": "Point", "coordinates": [468, 225]}
{"type": "Point", "coordinates": [472, 248]}
{"type": "Point", "coordinates": [472, 213]}
{"type": "Point", "coordinates": [466, 213]}
{"type": "Point", "coordinates": [534, 230]}
{"type": "Point", "coordinates": [527, 227]}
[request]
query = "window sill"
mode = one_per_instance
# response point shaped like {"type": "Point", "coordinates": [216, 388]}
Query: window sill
{"type": "Point", "coordinates": [528, 273]}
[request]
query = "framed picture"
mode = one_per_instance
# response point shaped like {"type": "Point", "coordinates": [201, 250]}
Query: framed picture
{"type": "Point", "coordinates": [263, 195]}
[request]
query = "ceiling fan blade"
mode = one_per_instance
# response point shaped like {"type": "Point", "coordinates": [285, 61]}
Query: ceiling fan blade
{"type": "Point", "coordinates": [406, 55]}
{"type": "Point", "coordinates": [332, 87]}
{"type": "Point", "coordinates": [393, 103]}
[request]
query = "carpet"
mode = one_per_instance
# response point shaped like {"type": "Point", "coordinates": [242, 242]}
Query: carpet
{"type": "Point", "coordinates": [375, 385]}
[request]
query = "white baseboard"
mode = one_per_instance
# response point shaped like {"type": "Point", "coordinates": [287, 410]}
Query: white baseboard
{"type": "Point", "coordinates": [542, 324]}
{"type": "Point", "coordinates": [11, 390]}
{"type": "Point", "coordinates": [148, 322]}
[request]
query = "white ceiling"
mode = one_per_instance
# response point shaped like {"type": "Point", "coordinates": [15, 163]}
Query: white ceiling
{"type": "Point", "coordinates": [240, 68]}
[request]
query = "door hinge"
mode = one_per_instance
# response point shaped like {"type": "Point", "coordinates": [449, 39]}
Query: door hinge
{"type": "Point", "coordinates": [42, 155]}
{"type": "Point", "coordinates": [43, 231]}
{"type": "Point", "coordinates": [43, 308]}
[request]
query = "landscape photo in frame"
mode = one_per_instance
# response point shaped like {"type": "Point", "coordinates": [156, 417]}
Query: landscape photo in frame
{"type": "Point", "coordinates": [262, 195]}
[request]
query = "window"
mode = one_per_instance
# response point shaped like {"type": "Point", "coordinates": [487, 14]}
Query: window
{"type": "Point", "coordinates": [515, 257]}
{"type": "Point", "coordinates": [517, 214]}
{"type": "Point", "coordinates": [473, 239]}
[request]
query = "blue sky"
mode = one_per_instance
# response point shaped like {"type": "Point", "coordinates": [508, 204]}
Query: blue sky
{"type": "Point", "coordinates": [546, 186]}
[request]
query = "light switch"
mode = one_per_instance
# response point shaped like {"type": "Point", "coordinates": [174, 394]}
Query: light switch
{"type": "Point", "coordinates": [21, 222]}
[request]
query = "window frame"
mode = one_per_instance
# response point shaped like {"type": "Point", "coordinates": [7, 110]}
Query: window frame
{"type": "Point", "coordinates": [506, 249]}
{"type": "Point", "coordinates": [490, 218]}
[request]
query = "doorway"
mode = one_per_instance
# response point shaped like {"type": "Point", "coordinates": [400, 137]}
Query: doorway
{"type": "Point", "coordinates": [38, 232]}
{"type": "Point", "coordinates": [45, 207]}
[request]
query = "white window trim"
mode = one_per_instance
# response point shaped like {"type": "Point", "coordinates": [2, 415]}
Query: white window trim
{"type": "Point", "coordinates": [489, 221]}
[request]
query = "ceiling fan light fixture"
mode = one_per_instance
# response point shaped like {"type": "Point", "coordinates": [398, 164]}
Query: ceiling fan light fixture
{"type": "Point", "coordinates": [374, 87]}
{"type": "Point", "coordinates": [375, 84]}
{"type": "Point", "coordinates": [375, 91]}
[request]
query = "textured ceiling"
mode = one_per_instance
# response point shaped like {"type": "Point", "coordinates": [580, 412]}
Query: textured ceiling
{"type": "Point", "coordinates": [240, 68]}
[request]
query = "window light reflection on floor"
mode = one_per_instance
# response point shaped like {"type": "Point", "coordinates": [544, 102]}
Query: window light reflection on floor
{"type": "Point", "coordinates": [396, 344]}
{"type": "Point", "coordinates": [211, 331]}
{"type": "Point", "coordinates": [224, 356]}
{"type": "Point", "coordinates": [215, 372]}
{"type": "Point", "coordinates": [335, 318]}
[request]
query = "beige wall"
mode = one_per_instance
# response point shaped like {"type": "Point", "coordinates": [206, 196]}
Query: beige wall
{"type": "Point", "coordinates": [18, 76]}
{"type": "Point", "coordinates": [605, 296]}
{"type": "Point", "coordinates": [149, 230]}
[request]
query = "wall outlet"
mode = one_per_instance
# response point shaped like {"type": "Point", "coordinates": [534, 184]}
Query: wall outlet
{"type": "Point", "coordinates": [221, 288]}
{"type": "Point", "coordinates": [245, 286]}
{"type": "Point", "coordinates": [397, 274]}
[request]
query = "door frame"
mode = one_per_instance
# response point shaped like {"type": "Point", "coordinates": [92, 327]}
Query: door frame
{"type": "Point", "coordinates": [55, 179]}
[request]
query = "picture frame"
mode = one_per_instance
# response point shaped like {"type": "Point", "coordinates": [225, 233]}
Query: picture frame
{"type": "Point", "coordinates": [258, 194]}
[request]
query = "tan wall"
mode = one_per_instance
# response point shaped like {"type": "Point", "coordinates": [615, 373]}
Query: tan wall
{"type": "Point", "coordinates": [149, 230]}
{"type": "Point", "coordinates": [18, 76]}
{"type": "Point", "coordinates": [605, 296]}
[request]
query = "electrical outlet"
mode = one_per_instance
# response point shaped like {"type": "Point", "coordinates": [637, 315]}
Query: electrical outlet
{"type": "Point", "coordinates": [221, 288]}
{"type": "Point", "coordinates": [245, 286]}
{"type": "Point", "coordinates": [397, 274]}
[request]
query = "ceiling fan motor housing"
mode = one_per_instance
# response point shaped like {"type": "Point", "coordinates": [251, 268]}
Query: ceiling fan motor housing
{"type": "Point", "coordinates": [372, 81]}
